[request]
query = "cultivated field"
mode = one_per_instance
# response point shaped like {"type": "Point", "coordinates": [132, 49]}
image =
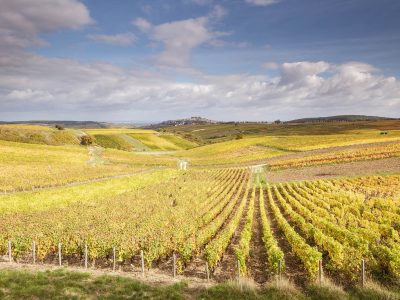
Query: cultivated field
{"type": "Point", "coordinates": [260, 208]}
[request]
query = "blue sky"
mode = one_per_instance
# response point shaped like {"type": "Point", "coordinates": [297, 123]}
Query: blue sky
{"type": "Point", "coordinates": [126, 60]}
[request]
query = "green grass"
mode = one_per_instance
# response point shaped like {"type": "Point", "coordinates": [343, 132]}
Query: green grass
{"type": "Point", "coordinates": [113, 141]}
{"type": "Point", "coordinates": [61, 284]}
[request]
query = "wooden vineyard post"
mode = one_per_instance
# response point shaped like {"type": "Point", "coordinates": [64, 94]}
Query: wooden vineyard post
{"type": "Point", "coordinates": [363, 273]}
{"type": "Point", "coordinates": [142, 261]}
{"type": "Point", "coordinates": [174, 256]}
{"type": "Point", "coordinates": [59, 254]}
{"type": "Point", "coordinates": [86, 256]}
{"type": "Point", "coordinates": [34, 252]}
{"type": "Point", "coordinates": [207, 272]}
{"type": "Point", "coordinates": [9, 252]}
{"type": "Point", "coordinates": [279, 271]}
{"type": "Point", "coordinates": [238, 271]}
{"type": "Point", "coordinates": [320, 272]}
{"type": "Point", "coordinates": [113, 259]}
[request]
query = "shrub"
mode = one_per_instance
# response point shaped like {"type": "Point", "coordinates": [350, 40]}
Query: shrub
{"type": "Point", "coordinates": [87, 140]}
{"type": "Point", "coordinates": [60, 127]}
{"type": "Point", "coordinates": [239, 136]}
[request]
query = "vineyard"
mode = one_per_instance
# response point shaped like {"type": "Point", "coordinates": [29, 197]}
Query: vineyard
{"type": "Point", "coordinates": [215, 216]}
{"type": "Point", "coordinates": [139, 140]}
{"type": "Point", "coordinates": [123, 205]}
{"type": "Point", "coordinates": [280, 152]}
{"type": "Point", "coordinates": [26, 167]}
{"type": "Point", "coordinates": [343, 156]}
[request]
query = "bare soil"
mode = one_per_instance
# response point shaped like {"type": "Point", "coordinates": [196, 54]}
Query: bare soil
{"type": "Point", "coordinates": [257, 263]}
{"type": "Point", "coordinates": [227, 270]}
{"type": "Point", "coordinates": [294, 268]}
{"type": "Point", "coordinates": [197, 265]}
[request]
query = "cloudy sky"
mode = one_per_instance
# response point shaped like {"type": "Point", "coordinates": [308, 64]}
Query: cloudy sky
{"type": "Point", "coordinates": [138, 60]}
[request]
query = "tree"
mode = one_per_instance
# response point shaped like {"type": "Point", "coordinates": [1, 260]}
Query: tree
{"type": "Point", "coordinates": [60, 127]}
{"type": "Point", "coordinates": [87, 140]}
{"type": "Point", "coordinates": [277, 122]}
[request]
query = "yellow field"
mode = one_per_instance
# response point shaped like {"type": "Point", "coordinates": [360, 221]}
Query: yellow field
{"type": "Point", "coordinates": [253, 149]}
{"type": "Point", "coordinates": [87, 193]}
{"type": "Point", "coordinates": [236, 151]}
{"type": "Point", "coordinates": [118, 130]}
{"type": "Point", "coordinates": [139, 139]}
{"type": "Point", "coordinates": [26, 166]}
{"type": "Point", "coordinates": [36, 134]}
{"type": "Point", "coordinates": [27, 127]}
{"type": "Point", "coordinates": [155, 142]}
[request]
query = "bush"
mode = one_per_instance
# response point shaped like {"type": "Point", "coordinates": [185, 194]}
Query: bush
{"type": "Point", "coordinates": [87, 140]}
{"type": "Point", "coordinates": [239, 136]}
{"type": "Point", "coordinates": [60, 127]}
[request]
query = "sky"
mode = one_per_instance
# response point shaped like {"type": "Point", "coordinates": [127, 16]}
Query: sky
{"type": "Point", "coordinates": [146, 61]}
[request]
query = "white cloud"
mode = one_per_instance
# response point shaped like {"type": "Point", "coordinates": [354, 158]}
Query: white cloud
{"type": "Point", "coordinates": [302, 71]}
{"type": "Point", "coordinates": [21, 21]}
{"type": "Point", "coordinates": [121, 39]}
{"type": "Point", "coordinates": [142, 24]}
{"type": "Point", "coordinates": [262, 2]}
{"type": "Point", "coordinates": [179, 38]}
{"type": "Point", "coordinates": [31, 83]}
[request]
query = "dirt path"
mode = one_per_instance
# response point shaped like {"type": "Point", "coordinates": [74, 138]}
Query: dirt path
{"type": "Point", "coordinates": [257, 263]}
{"type": "Point", "coordinates": [226, 269]}
{"type": "Point", "coordinates": [294, 268]}
{"type": "Point", "coordinates": [96, 156]}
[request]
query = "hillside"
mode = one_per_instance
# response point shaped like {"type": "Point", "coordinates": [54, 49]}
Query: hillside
{"type": "Point", "coordinates": [139, 139]}
{"type": "Point", "coordinates": [69, 124]}
{"type": "Point", "coordinates": [39, 134]}
{"type": "Point", "coordinates": [215, 133]}
{"type": "Point", "coordinates": [186, 121]}
{"type": "Point", "coordinates": [261, 195]}
{"type": "Point", "coordinates": [340, 118]}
